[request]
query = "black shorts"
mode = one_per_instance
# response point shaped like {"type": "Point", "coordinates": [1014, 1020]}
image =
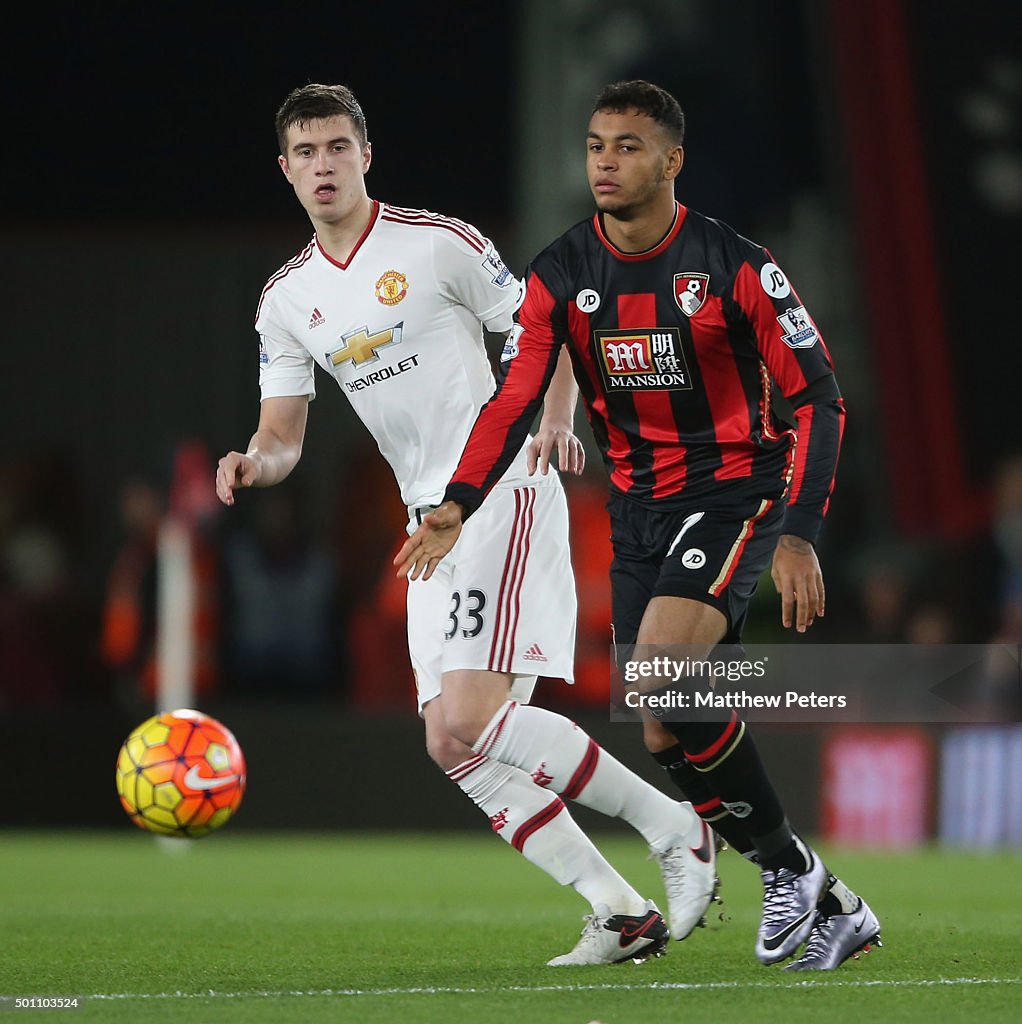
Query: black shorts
{"type": "Point", "coordinates": [713, 555]}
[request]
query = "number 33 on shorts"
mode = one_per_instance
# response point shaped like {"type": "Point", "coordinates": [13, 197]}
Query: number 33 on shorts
{"type": "Point", "coordinates": [466, 618]}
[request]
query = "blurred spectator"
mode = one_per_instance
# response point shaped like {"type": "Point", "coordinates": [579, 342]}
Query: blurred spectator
{"type": "Point", "coordinates": [45, 621]}
{"type": "Point", "coordinates": [371, 599]}
{"type": "Point", "coordinates": [31, 579]}
{"type": "Point", "coordinates": [931, 623]}
{"type": "Point", "coordinates": [873, 605]}
{"type": "Point", "coordinates": [883, 602]}
{"type": "Point", "coordinates": [363, 547]}
{"type": "Point", "coordinates": [128, 636]}
{"type": "Point", "coordinates": [381, 676]}
{"type": "Point", "coordinates": [281, 635]}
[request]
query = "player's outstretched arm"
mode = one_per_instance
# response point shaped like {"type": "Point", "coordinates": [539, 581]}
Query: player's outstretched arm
{"type": "Point", "coordinates": [273, 451]}
{"type": "Point", "coordinates": [424, 550]}
{"type": "Point", "coordinates": [799, 580]}
{"type": "Point", "coordinates": [557, 425]}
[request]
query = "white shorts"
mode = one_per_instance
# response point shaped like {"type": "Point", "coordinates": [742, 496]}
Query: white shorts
{"type": "Point", "coordinates": [504, 599]}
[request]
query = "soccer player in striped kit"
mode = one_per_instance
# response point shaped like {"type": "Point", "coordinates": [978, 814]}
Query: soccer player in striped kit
{"type": "Point", "coordinates": [391, 304]}
{"type": "Point", "coordinates": [682, 333]}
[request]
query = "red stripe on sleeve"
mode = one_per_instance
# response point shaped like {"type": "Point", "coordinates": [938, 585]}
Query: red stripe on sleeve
{"type": "Point", "coordinates": [804, 418]}
{"type": "Point", "coordinates": [840, 436]}
{"type": "Point", "coordinates": [490, 445]}
{"type": "Point", "coordinates": [759, 308]}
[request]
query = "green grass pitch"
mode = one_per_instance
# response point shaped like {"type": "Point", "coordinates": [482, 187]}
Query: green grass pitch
{"type": "Point", "coordinates": [457, 928]}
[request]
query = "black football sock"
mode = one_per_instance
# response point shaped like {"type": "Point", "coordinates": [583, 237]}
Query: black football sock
{"type": "Point", "coordinates": [705, 802]}
{"type": "Point", "coordinates": [792, 855]}
{"type": "Point", "coordinates": [726, 756]}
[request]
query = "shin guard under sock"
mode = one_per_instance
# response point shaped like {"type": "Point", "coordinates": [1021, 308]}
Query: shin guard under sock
{"type": "Point", "coordinates": [536, 823]}
{"type": "Point", "coordinates": [696, 789]}
{"type": "Point", "coordinates": [562, 757]}
{"type": "Point", "coordinates": [727, 758]}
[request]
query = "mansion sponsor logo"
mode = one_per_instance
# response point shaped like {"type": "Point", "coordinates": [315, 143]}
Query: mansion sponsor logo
{"type": "Point", "coordinates": [643, 360]}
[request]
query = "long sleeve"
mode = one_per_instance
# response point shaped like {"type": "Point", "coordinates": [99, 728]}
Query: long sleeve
{"type": "Point", "coordinates": [528, 362]}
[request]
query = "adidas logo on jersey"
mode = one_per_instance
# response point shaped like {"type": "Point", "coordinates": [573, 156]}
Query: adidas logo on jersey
{"type": "Point", "coordinates": [317, 319]}
{"type": "Point", "coordinates": [534, 654]}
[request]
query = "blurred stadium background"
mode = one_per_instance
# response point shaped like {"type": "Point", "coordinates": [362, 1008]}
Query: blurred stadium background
{"type": "Point", "coordinates": [875, 147]}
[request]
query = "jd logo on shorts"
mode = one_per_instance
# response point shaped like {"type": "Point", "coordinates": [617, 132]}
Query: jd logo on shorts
{"type": "Point", "coordinates": [694, 558]}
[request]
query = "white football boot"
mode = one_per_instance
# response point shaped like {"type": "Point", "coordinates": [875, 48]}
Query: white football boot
{"type": "Point", "coordinates": [689, 868]}
{"type": "Point", "coordinates": [613, 938]}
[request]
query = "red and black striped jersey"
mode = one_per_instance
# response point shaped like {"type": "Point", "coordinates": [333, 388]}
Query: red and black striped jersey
{"type": "Point", "coordinates": [679, 353]}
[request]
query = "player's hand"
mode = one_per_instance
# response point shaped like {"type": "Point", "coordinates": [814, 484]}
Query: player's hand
{"type": "Point", "coordinates": [571, 456]}
{"type": "Point", "coordinates": [423, 551]}
{"type": "Point", "coordinates": [236, 470]}
{"type": "Point", "coordinates": [799, 580]}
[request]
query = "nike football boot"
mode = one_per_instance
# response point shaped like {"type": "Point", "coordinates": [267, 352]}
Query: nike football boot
{"type": "Point", "coordinates": [690, 878]}
{"type": "Point", "coordinates": [789, 908]}
{"type": "Point", "coordinates": [613, 938]}
{"type": "Point", "coordinates": [836, 937]}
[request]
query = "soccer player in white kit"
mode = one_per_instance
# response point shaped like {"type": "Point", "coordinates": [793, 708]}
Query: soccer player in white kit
{"type": "Point", "coordinates": [391, 303]}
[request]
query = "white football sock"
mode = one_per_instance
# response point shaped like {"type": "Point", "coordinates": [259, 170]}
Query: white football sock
{"type": "Point", "coordinates": [561, 756]}
{"type": "Point", "coordinates": [539, 826]}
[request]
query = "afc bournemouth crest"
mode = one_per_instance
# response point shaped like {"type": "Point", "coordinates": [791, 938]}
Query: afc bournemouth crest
{"type": "Point", "coordinates": [391, 288]}
{"type": "Point", "coordinates": [690, 292]}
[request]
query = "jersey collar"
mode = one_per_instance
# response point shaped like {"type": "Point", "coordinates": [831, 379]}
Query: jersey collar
{"type": "Point", "coordinates": [630, 257]}
{"type": "Point", "coordinates": [373, 215]}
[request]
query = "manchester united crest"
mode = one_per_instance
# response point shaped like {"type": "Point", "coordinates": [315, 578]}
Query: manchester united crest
{"type": "Point", "coordinates": [391, 288]}
{"type": "Point", "coordinates": [690, 292]}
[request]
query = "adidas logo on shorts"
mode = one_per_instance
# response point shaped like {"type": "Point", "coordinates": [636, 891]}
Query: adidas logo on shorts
{"type": "Point", "coordinates": [534, 654]}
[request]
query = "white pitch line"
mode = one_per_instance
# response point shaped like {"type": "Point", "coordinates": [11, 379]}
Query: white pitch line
{"type": "Point", "coordinates": [653, 986]}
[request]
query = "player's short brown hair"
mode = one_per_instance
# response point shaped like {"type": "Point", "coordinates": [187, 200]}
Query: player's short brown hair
{"type": "Point", "coordinates": [315, 102]}
{"type": "Point", "coordinates": [648, 99]}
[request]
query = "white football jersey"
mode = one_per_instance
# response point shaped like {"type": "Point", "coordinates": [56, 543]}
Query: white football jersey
{"type": "Point", "coordinates": [400, 328]}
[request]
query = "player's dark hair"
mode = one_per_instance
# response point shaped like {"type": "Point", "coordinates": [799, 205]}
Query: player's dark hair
{"type": "Point", "coordinates": [648, 99]}
{"type": "Point", "coordinates": [315, 102]}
